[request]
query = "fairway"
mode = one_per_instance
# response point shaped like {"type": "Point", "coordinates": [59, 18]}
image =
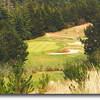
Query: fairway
{"type": "Point", "coordinates": [42, 46]}
{"type": "Point", "coordinates": [39, 49]}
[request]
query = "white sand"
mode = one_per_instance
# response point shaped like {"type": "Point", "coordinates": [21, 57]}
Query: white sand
{"type": "Point", "coordinates": [71, 51]}
{"type": "Point", "coordinates": [56, 53]}
{"type": "Point", "coordinates": [75, 43]}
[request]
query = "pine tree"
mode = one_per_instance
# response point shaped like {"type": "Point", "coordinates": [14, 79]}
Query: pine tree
{"type": "Point", "coordinates": [92, 42]}
{"type": "Point", "coordinates": [21, 21]}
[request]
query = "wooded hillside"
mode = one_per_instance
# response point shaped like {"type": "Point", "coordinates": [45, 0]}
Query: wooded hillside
{"type": "Point", "coordinates": [33, 18]}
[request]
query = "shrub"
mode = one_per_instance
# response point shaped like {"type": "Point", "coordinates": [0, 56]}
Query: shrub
{"type": "Point", "coordinates": [92, 42]}
{"type": "Point", "coordinates": [95, 57]}
{"type": "Point", "coordinates": [76, 71]}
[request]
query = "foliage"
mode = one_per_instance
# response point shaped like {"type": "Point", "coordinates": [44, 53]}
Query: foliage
{"type": "Point", "coordinates": [44, 81]}
{"type": "Point", "coordinates": [15, 82]}
{"type": "Point", "coordinates": [40, 81]}
{"type": "Point", "coordinates": [12, 52]}
{"type": "Point", "coordinates": [92, 42]}
{"type": "Point", "coordinates": [11, 47]}
{"type": "Point", "coordinates": [18, 83]}
{"type": "Point", "coordinates": [95, 57]}
{"type": "Point", "coordinates": [33, 18]}
{"type": "Point", "coordinates": [76, 71]}
{"type": "Point", "coordinates": [21, 21]}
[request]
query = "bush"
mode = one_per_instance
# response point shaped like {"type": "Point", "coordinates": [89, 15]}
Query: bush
{"type": "Point", "coordinates": [12, 47]}
{"type": "Point", "coordinates": [76, 71]}
{"type": "Point", "coordinates": [95, 57]}
{"type": "Point", "coordinates": [92, 42]}
{"type": "Point", "coordinates": [15, 82]}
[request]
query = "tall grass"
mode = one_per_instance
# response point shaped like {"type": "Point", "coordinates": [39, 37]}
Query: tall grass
{"type": "Point", "coordinates": [90, 84]}
{"type": "Point", "coordinates": [42, 79]}
{"type": "Point", "coordinates": [76, 71]}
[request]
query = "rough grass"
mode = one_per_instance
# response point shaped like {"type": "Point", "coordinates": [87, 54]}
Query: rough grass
{"type": "Point", "coordinates": [91, 85]}
{"type": "Point", "coordinates": [41, 78]}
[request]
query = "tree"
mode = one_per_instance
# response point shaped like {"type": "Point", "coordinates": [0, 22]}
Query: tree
{"type": "Point", "coordinates": [11, 47]}
{"type": "Point", "coordinates": [92, 41]}
{"type": "Point", "coordinates": [21, 21]}
{"type": "Point", "coordinates": [13, 53]}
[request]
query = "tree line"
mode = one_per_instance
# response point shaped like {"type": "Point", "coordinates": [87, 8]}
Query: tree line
{"type": "Point", "coordinates": [33, 18]}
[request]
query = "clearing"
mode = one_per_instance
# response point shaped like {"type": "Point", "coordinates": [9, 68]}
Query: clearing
{"type": "Point", "coordinates": [63, 46]}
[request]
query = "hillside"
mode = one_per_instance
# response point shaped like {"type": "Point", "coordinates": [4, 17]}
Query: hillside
{"type": "Point", "coordinates": [73, 32]}
{"type": "Point", "coordinates": [51, 51]}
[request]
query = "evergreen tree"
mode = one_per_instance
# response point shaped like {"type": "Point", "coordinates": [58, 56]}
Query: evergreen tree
{"type": "Point", "coordinates": [92, 42]}
{"type": "Point", "coordinates": [21, 21]}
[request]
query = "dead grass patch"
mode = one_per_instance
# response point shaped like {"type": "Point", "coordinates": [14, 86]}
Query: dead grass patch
{"type": "Point", "coordinates": [73, 32]}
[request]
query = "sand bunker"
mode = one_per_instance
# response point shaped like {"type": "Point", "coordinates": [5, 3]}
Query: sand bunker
{"type": "Point", "coordinates": [56, 53]}
{"type": "Point", "coordinates": [75, 43]}
{"type": "Point", "coordinates": [71, 51]}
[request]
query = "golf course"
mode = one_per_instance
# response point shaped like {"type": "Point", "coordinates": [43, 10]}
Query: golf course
{"type": "Point", "coordinates": [49, 47]}
{"type": "Point", "coordinates": [53, 50]}
{"type": "Point", "coordinates": [49, 54]}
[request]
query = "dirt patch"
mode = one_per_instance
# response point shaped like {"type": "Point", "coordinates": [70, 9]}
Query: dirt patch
{"type": "Point", "coordinates": [64, 50]}
{"type": "Point", "coordinates": [73, 32]}
{"type": "Point", "coordinates": [91, 85]}
{"type": "Point", "coordinates": [51, 34]}
{"type": "Point", "coordinates": [60, 88]}
{"type": "Point", "coordinates": [57, 88]}
{"type": "Point", "coordinates": [59, 38]}
{"type": "Point", "coordinates": [55, 34]}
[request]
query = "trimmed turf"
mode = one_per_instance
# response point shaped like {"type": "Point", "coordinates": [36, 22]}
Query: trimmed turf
{"type": "Point", "coordinates": [39, 60]}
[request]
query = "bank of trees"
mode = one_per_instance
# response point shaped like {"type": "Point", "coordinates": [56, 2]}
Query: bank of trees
{"type": "Point", "coordinates": [92, 42]}
{"type": "Point", "coordinates": [33, 18]}
{"type": "Point", "coordinates": [13, 53]}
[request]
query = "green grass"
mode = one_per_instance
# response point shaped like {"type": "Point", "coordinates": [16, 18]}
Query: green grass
{"type": "Point", "coordinates": [37, 46]}
{"type": "Point", "coordinates": [39, 60]}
